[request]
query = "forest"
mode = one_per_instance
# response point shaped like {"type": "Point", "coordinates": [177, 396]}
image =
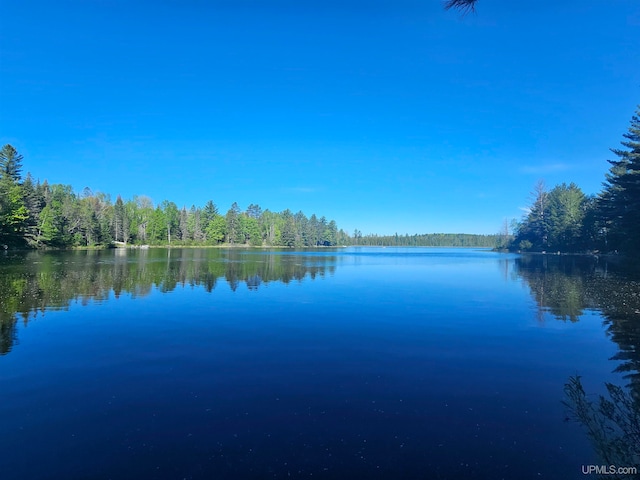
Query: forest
{"type": "Point", "coordinates": [565, 219]}
{"type": "Point", "coordinates": [40, 215]}
{"type": "Point", "coordinates": [562, 219]}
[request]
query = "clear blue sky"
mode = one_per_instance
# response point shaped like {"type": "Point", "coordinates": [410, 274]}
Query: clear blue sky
{"type": "Point", "coordinates": [387, 116]}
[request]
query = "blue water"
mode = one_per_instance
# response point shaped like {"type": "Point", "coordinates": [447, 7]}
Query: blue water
{"type": "Point", "coordinates": [346, 363]}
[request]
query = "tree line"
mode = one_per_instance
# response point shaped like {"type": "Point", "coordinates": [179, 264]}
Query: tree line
{"type": "Point", "coordinates": [565, 219]}
{"type": "Point", "coordinates": [425, 240]}
{"type": "Point", "coordinates": [42, 215]}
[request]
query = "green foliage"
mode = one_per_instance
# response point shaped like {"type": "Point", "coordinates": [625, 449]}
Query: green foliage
{"type": "Point", "coordinates": [10, 163]}
{"type": "Point", "coordinates": [288, 232]}
{"type": "Point", "coordinates": [562, 219]}
{"type": "Point", "coordinates": [157, 227]}
{"type": "Point", "coordinates": [120, 222]}
{"type": "Point", "coordinates": [13, 212]}
{"type": "Point", "coordinates": [252, 229]}
{"type": "Point", "coordinates": [171, 220]}
{"type": "Point", "coordinates": [234, 230]}
{"type": "Point", "coordinates": [209, 212]}
{"type": "Point", "coordinates": [566, 213]}
{"type": "Point", "coordinates": [534, 228]}
{"type": "Point", "coordinates": [423, 240]}
{"type": "Point", "coordinates": [556, 220]}
{"type": "Point", "coordinates": [216, 230]}
{"type": "Point", "coordinates": [271, 227]}
{"type": "Point", "coordinates": [566, 220]}
{"type": "Point", "coordinates": [619, 202]}
{"type": "Point", "coordinates": [565, 286]}
{"type": "Point", "coordinates": [47, 230]}
{"type": "Point", "coordinates": [525, 245]}
{"type": "Point", "coordinates": [56, 279]}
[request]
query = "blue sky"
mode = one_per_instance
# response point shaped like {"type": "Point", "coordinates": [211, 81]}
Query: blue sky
{"type": "Point", "coordinates": [387, 116]}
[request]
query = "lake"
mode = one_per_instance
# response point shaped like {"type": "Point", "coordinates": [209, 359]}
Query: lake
{"type": "Point", "coordinates": [334, 363]}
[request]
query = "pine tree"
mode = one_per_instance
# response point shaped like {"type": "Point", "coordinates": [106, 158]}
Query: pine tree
{"type": "Point", "coordinates": [233, 223]}
{"type": "Point", "coordinates": [254, 211]}
{"type": "Point", "coordinates": [619, 203]}
{"type": "Point", "coordinates": [13, 211]}
{"type": "Point", "coordinates": [119, 220]}
{"type": "Point", "coordinates": [534, 229]}
{"type": "Point", "coordinates": [288, 229]}
{"type": "Point", "coordinates": [34, 204]}
{"type": "Point", "coordinates": [461, 5]}
{"type": "Point", "coordinates": [10, 163]}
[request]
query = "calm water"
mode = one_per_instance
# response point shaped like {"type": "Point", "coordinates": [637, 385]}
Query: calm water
{"type": "Point", "coordinates": [346, 363]}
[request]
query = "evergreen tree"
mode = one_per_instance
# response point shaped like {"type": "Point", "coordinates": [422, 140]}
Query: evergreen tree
{"type": "Point", "coordinates": [591, 237]}
{"type": "Point", "coordinates": [13, 211]}
{"type": "Point", "coordinates": [194, 224]}
{"type": "Point", "coordinates": [312, 236]}
{"type": "Point", "coordinates": [288, 235]}
{"type": "Point", "coordinates": [52, 215]}
{"type": "Point", "coordinates": [619, 203]}
{"type": "Point", "coordinates": [119, 220]}
{"type": "Point", "coordinates": [462, 5]}
{"type": "Point", "coordinates": [323, 232]}
{"type": "Point", "coordinates": [183, 224]}
{"type": "Point", "coordinates": [10, 163]}
{"type": "Point", "coordinates": [332, 233]}
{"type": "Point", "coordinates": [34, 204]}
{"type": "Point", "coordinates": [357, 237]}
{"type": "Point", "coordinates": [233, 223]}
{"type": "Point", "coordinates": [302, 229]}
{"type": "Point", "coordinates": [534, 229]}
{"type": "Point", "coordinates": [254, 211]}
{"type": "Point", "coordinates": [90, 224]}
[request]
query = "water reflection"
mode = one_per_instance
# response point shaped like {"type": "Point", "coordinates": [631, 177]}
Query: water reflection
{"type": "Point", "coordinates": [416, 352]}
{"type": "Point", "coordinates": [612, 423]}
{"type": "Point", "coordinates": [34, 282]}
{"type": "Point", "coordinates": [566, 286]}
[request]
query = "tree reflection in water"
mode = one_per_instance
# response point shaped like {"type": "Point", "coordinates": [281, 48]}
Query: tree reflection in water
{"type": "Point", "coordinates": [563, 286]}
{"type": "Point", "coordinates": [612, 424]}
{"type": "Point", "coordinates": [566, 286]}
{"type": "Point", "coordinates": [33, 282]}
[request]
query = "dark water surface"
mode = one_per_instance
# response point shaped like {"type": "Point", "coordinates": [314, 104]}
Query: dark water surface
{"type": "Point", "coordinates": [346, 363]}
